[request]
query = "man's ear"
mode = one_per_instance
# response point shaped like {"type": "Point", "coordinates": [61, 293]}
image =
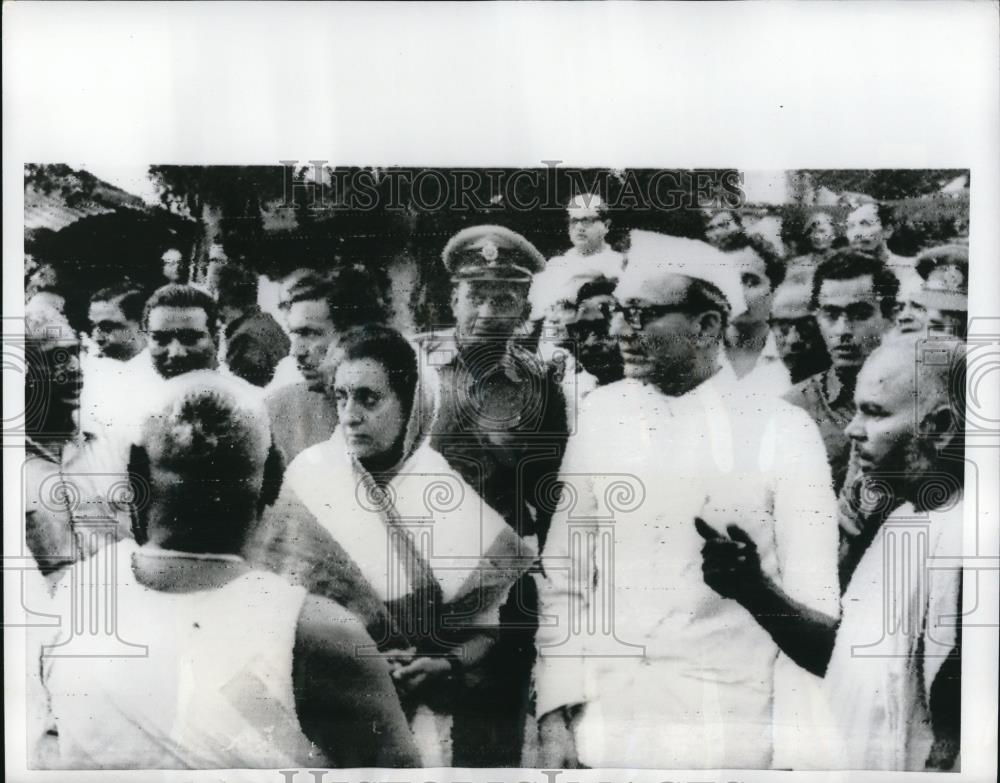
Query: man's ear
{"type": "Point", "coordinates": [939, 423]}
{"type": "Point", "coordinates": [710, 325]}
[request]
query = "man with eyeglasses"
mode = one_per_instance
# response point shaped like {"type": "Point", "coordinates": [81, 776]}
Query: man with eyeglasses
{"type": "Point", "coordinates": [588, 354]}
{"type": "Point", "coordinates": [591, 254]}
{"type": "Point", "coordinates": [663, 672]}
{"type": "Point", "coordinates": [853, 299]}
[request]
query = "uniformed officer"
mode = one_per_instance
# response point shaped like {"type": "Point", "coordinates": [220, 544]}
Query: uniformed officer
{"type": "Point", "coordinates": [500, 421]}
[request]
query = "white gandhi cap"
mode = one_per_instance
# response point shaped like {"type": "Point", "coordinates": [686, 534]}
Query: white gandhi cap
{"type": "Point", "coordinates": [652, 256]}
{"type": "Point", "coordinates": [586, 204]}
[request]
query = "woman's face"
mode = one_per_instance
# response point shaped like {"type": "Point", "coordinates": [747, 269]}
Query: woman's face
{"type": "Point", "coordinates": [371, 413]}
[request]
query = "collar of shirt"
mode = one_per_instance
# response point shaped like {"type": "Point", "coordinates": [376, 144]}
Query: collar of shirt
{"type": "Point", "coordinates": [834, 391]}
{"type": "Point", "coordinates": [56, 450]}
{"type": "Point", "coordinates": [651, 400]}
{"type": "Point", "coordinates": [575, 251]}
{"type": "Point", "coordinates": [769, 353]}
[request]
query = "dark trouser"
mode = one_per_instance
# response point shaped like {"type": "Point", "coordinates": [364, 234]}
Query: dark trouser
{"type": "Point", "coordinates": [489, 722]}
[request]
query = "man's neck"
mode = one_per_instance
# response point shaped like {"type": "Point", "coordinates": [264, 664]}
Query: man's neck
{"type": "Point", "coordinates": [591, 250]}
{"type": "Point", "coordinates": [748, 336]}
{"type": "Point", "coordinates": [59, 428]}
{"type": "Point", "coordinates": [177, 571]}
{"type": "Point", "coordinates": [483, 352]}
{"type": "Point", "coordinates": [681, 384]}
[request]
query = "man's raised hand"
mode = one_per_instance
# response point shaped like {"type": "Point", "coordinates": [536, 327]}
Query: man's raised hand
{"type": "Point", "coordinates": [730, 566]}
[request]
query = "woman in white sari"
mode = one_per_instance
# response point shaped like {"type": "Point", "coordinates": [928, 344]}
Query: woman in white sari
{"type": "Point", "coordinates": [378, 520]}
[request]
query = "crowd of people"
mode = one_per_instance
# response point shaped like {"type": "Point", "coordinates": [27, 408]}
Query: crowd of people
{"type": "Point", "coordinates": [632, 510]}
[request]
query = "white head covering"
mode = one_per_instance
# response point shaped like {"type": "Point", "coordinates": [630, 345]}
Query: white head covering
{"type": "Point", "coordinates": [43, 320]}
{"type": "Point", "coordinates": [652, 256]}
{"type": "Point", "coordinates": [557, 287]}
{"type": "Point", "coordinates": [585, 204]}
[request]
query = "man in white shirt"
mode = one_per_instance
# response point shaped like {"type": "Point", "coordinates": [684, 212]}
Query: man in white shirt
{"type": "Point", "coordinates": [115, 317]}
{"type": "Point", "coordinates": [590, 255]}
{"type": "Point", "coordinates": [892, 664]}
{"type": "Point", "coordinates": [676, 676]}
{"type": "Point", "coordinates": [241, 669]}
{"type": "Point", "coordinates": [894, 672]}
{"type": "Point", "coordinates": [119, 363]}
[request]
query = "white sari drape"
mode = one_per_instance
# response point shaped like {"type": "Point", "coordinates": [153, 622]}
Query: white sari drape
{"type": "Point", "coordinates": [417, 554]}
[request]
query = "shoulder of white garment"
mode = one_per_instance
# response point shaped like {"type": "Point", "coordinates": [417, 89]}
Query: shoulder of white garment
{"type": "Point", "coordinates": [616, 396]}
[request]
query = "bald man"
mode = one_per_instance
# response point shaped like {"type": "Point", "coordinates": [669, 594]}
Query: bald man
{"type": "Point", "coordinates": [893, 687]}
{"type": "Point", "coordinates": [243, 670]}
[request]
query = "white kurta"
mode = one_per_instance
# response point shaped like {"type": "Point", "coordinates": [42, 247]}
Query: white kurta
{"type": "Point", "coordinates": [452, 527]}
{"type": "Point", "coordinates": [769, 375]}
{"type": "Point", "coordinates": [899, 623]}
{"type": "Point", "coordinates": [213, 691]}
{"type": "Point", "coordinates": [122, 395]}
{"type": "Point", "coordinates": [691, 681]}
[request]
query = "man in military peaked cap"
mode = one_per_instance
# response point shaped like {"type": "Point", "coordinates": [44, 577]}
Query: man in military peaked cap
{"type": "Point", "coordinates": [491, 253]}
{"type": "Point", "coordinates": [501, 423]}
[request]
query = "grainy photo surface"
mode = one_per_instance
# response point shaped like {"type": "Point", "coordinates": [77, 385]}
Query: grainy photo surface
{"type": "Point", "coordinates": [501, 392]}
{"type": "Point", "coordinates": [337, 467]}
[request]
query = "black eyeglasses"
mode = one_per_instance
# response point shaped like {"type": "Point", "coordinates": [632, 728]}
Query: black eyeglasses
{"type": "Point", "coordinates": [639, 316]}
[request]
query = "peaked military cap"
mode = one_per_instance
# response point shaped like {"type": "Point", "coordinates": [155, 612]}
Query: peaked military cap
{"type": "Point", "coordinates": [491, 253]}
{"type": "Point", "coordinates": [948, 290]}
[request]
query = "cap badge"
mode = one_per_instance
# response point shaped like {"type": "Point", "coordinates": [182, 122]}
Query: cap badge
{"type": "Point", "coordinates": [490, 251]}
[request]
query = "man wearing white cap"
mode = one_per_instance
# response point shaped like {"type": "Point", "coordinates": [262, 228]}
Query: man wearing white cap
{"type": "Point", "coordinates": [677, 676]}
{"type": "Point", "coordinates": [590, 255]}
